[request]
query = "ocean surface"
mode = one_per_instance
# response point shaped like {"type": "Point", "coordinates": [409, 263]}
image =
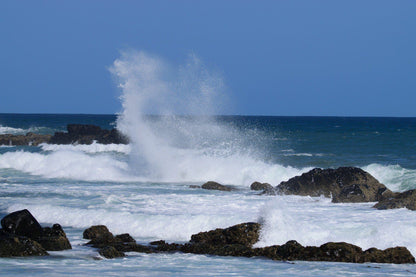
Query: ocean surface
{"type": "Point", "coordinates": [143, 189]}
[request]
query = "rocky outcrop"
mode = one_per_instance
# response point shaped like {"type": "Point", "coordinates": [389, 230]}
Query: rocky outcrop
{"type": "Point", "coordinates": [23, 224]}
{"type": "Point", "coordinates": [28, 139]}
{"type": "Point", "coordinates": [345, 184]}
{"type": "Point", "coordinates": [264, 187]}
{"type": "Point", "coordinates": [87, 134]}
{"type": "Point", "coordinates": [245, 234]}
{"type": "Point", "coordinates": [336, 252]}
{"type": "Point", "coordinates": [101, 238]}
{"type": "Point", "coordinates": [405, 199]}
{"type": "Point", "coordinates": [238, 240]}
{"type": "Point", "coordinates": [210, 185]}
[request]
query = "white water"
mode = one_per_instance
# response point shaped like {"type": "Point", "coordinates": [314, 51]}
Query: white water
{"type": "Point", "coordinates": [175, 148]}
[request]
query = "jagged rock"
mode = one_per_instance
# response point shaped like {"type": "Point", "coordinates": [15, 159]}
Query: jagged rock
{"type": "Point", "coordinates": [405, 199]}
{"type": "Point", "coordinates": [99, 235]}
{"type": "Point", "coordinates": [124, 238]}
{"type": "Point", "coordinates": [87, 134]}
{"type": "Point", "coordinates": [28, 139]}
{"type": "Point", "coordinates": [22, 223]}
{"type": "Point", "coordinates": [12, 245]}
{"type": "Point", "coordinates": [101, 238]}
{"type": "Point", "coordinates": [335, 252]}
{"type": "Point", "coordinates": [54, 239]}
{"type": "Point", "coordinates": [111, 252]}
{"type": "Point", "coordinates": [215, 186]}
{"type": "Point", "coordinates": [345, 184]}
{"type": "Point", "coordinates": [245, 234]}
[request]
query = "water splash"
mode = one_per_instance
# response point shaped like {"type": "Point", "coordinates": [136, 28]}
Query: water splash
{"type": "Point", "coordinates": [182, 141]}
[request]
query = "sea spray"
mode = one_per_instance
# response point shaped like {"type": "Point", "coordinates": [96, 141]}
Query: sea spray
{"type": "Point", "coordinates": [183, 142]}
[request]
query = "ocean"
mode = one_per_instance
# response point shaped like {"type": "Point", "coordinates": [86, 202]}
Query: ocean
{"type": "Point", "coordinates": [143, 189]}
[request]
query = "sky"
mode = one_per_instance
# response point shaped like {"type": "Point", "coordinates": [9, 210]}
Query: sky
{"type": "Point", "coordinates": [285, 58]}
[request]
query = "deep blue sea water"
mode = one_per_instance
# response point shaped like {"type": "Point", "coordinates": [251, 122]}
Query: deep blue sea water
{"type": "Point", "coordinates": [143, 189]}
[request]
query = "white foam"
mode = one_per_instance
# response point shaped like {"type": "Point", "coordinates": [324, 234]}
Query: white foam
{"type": "Point", "coordinates": [67, 164]}
{"type": "Point", "coordinates": [11, 130]}
{"type": "Point", "coordinates": [317, 221]}
{"type": "Point", "coordinates": [190, 166]}
{"type": "Point", "coordinates": [92, 148]}
{"type": "Point", "coordinates": [173, 217]}
{"type": "Point", "coordinates": [19, 131]}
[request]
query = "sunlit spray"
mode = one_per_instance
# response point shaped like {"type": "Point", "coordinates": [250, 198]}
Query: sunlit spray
{"type": "Point", "coordinates": [182, 141]}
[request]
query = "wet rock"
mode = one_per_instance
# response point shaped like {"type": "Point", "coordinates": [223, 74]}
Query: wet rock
{"type": "Point", "coordinates": [396, 255]}
{"type": "Point", "coordinates": [345, 184]}
{"type": "Point", "coordinates": [238, 240]}
{"type": "Point", "coordinates": [28, 139]}
{"type": "Point", "coordinates": [265, 187]}
{"type": "Point", "coordinates": [162, 246]}
{"type": "Point", "coordinates": [110, 252]}
{"type": "Point", "coordinates": [124, 238]}
{"type": "Point", "coordinates": [12, 245]}
{"type": "Point", "coordinates": [54, 239]}
{"type": "Point", "coordinates": [22, 223]}
{"type": "Point", "coordinates": [99, 236]}
{"type": "Point", "coordinates": [87, 134]}
{"type": "Point", "coordinates": [405, 199]}
{"type": "Point", "coordinates": [245, 234]}
{"type": "Point", "coordinates": [216, 186]}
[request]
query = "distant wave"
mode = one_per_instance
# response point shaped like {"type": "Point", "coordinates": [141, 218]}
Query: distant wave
{"type": "Point", "coordinates": [20, 131]}
{"type": "Point", "coordinates": [93, 148]}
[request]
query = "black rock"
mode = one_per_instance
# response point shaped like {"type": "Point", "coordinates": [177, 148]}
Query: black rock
{"type": "Point", "coordinates": [110, 252]}
{"type": "Point", "coordinates": [216, 186]}
{"type": "Point", "coordinates": [265, 187]}
{"type": "Point", "coordinates": [21, 223]}
{"type": "Point", "coordinates": [405, 199]}
{"type": "Point", "coordinates": [345, 184]}
{"type": "Point", "coordinates": [54, 239]}
{"type": "Point", "coordinates": [12, 245]}
{"type": "Point", "coordinates": [245, 234]}
{"type": "Point", "coordinates": [87, 134]}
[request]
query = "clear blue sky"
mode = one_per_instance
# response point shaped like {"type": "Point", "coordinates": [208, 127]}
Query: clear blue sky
{"type": "Point", "coordinates": [344, 58]}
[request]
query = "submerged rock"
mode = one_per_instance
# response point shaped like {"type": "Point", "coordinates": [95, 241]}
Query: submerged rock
{"type": "Point", "coordinates": [216, 186]}
{"type": "Point", "coordinates": [345, 184]}
{"type": "Point", "coordinates": [87, 134]}
{"type": "Point", "coordinates": [405, 199]}
{"type": "Point", "coordinates": [22, 223]}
